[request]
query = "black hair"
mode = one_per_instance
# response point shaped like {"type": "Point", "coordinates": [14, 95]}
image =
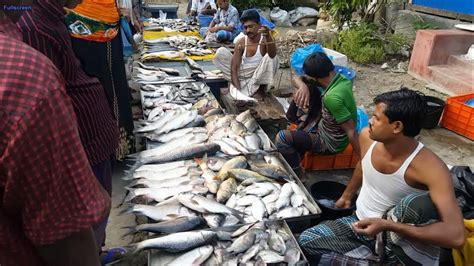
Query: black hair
{"type": "Point", "coordinates": [406, 106]}
{"type": "Point", "coordinates": [317, 65]}
{"type": "Point", "coordinates": [250, 14]}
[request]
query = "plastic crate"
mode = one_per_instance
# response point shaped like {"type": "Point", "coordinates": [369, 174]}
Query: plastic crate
{"type": "Point", "coordinates": [344, 160]}
{"type": "Point", "coordinates": [458, 116]}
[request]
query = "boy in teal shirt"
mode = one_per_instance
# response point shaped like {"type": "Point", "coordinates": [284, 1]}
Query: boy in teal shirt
{"type": "Point", "coordinates": [335, 126]}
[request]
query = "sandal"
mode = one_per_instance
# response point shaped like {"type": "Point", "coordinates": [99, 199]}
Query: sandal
{"type": "Point", "coordinates": [111, 255]}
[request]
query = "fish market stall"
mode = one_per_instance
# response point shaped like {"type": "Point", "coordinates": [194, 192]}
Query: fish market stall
{"type": "Point", "coordinates": [269, 242]}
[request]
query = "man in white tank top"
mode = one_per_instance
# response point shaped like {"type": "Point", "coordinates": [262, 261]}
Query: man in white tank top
{"type": "Point", "coordinates": [253, 64]}
{"type": "Point", "coordinates": [406, 208]}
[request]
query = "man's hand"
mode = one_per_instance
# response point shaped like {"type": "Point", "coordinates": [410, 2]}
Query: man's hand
{"type": "Point", "coordinates": [343, 203]}
{"type": "Point", "coordinates": [213, 29]}
{"type": "Point", "coordinates": [264, 30]}
{"type": "Point", "coordinates": [301, 97]}
{"type": "Point", "coordinates": [370, 227]}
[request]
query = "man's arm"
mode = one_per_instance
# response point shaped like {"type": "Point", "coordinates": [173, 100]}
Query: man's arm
{"type": "Point", "coordinates": [235, 63]}
{"type": "Point", "coordinates": [351, 132]}
{"type": "Point", "coordinates": [302, 94]}
{"type": "Point", "coordinates": [356, 181]}
{"type": "Point", "coordinates": [269, 42]}
{"type": "Point", "coordinates": [427, 169]}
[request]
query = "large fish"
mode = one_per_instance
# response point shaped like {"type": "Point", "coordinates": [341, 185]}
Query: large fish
{"type": "Point", "coordinates": [160, 213]}
{"type": "Point", "coordinates": [163, 119]}
{"type": "Point", "coordinates": [269, 170]}
{"type": "Point", "coordinates": [200, 203]}
{"type": "Point", "coordinates": [242, 174]}
{"type": "Point", "coordinates": [193, 257]}
{"type": "Point", "coordinates": [234, 163]}
{"type": "Point", "coordinates": [179, 224]}
{"type": "Point", "coordinates": [168, 174]}
{"type": "Point", "coordinates": [161, 194]}
{"type": "Point", "coordinates": [175, 134]}
{"type": "Point", "coordinates": [178, 122]}
{"type": "Point", "coordinates": [184, 180]}
{"type": "Point", "coordinates": [177, 242]}
{"type": "Point", "coordinates": [226, 189]}
{"type": "Point", "coordinates": [212, 181]}
{"type": "Point", "coordinates": [181, 153]}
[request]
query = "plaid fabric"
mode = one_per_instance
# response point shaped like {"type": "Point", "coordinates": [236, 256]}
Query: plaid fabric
{"type": "Point", "coordinates": [47, 189]}
{"type": "Point", "coordinates": [43, 28]}
{"type": "Point", "coordinates": [336, 243]}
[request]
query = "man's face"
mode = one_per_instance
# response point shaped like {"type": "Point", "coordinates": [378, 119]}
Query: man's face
{"type": "Point", "coordinates": [251, 28]}
{"type": "Point", "coordinates": [380, 127]}
{"type": "Point", "coordinates": [223, 4]}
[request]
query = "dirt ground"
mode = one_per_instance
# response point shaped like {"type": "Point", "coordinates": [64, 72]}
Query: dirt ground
{"type": "Point", "coordinates": [370, 81]}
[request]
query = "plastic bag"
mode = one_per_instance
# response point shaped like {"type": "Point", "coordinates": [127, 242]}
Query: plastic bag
{"type": "Point", "coordinates": [300, 54]}
{"type": "Point", "coordinates": [362, 119]}
{"type": "Point", "coordinates": [280, 17]}
{"type": "Point", "coordinates": [302, 12]}
{"type": "Point", "coordinates": [126, 34]}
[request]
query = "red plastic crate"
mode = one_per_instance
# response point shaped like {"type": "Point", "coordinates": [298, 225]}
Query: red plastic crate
{"type": "Point", "coordinates": [458, 116]}
{"type": "Point", "coordinates": [345, 160]}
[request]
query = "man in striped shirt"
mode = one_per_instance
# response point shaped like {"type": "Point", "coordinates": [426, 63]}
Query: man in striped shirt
{"type": "Point", "coordinates": [42, 27]}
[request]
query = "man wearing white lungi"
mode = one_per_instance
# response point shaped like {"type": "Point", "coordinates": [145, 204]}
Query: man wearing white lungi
{"type": "Point", "coordinates": [254, 62]}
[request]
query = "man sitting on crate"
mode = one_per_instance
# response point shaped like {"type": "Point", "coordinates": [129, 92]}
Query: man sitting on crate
{"type": "Point", "coordinates": [332, 116]}
{"type": "Point", "coordinates": [223, 27]}
{"type": "Point", "coordinates": [254, 63]}
{"type": "Point", "coordinates": [406, 209]}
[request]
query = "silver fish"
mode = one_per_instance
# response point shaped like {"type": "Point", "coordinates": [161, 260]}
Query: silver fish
{"type": "Point", "coordinates": [270, 256]}
{"type": "Point", "coordinates": [232, 201]}
{"type": "Point", "coordinates": [212, 181]}
{"type": "Point", "coordinates": [270, 170]}
{"type": "Point", "coordinates": [247, 200]}
{"type": "Point", "coordinates": [161, 194]}
{"type": "Point", "coordinates": [250, 253]}
{"type": "Point", "coordinates": [215, 163]}
{"type": "Point", "coordinates": [242, 243]}
{"type": "Point", "coordinates": [226, 148]}
{"type": "Point", "coordinates": [179, 133]}
{"type": "Point", "coordinates": [230, 220]}
{"type": "Point", "coordinates": [235, 144]}
{"type": "Point", "coordinates": [251, 125]}
{"type": "Point", "coordinates": [179, 224]}
{"type": "Point", "coordinates": [276, 242]}
{"type": "Point", "coordinates": [226, 189]}
{"type": "Point", "coordinates": [266, 143]}
{"type": "Point", "coordinates": [177, 242]}
{"type": "Point", "coordinates": [242, 229]}
{"type": "Point", "coordinates": [182, 153]}
{"type": "Point", "coordinates": [244, 116]}
{"type": "Point", "coordinates": [313, 208]}
{"type": "Point", "coordinates": [285, 195]}
{"type": "Point", "coordinates": [253, 141]}
{"type": "Point", "coordinates": [296, 200]}
{"type": "Point", "coordinates": [292, 256]}
{"type": "Point", "coordinates": [259, 210]}
{"type": "Point", "coordinates": [289, 212]}
{"type": "Point", "coordinates": [213, 220]}
{"type": "Point", "coordinates": [238, 128]}
{"type": "Point", "coordinates": [234, 163]}
{"type": "Point", "coordinates": [165, 166]}
{"type": "Point", "coordinates": [212, 206]}
{"type": "Point", "coordinates": [194, 257]}
{"type": "Point", "coordinates": [160, 213]}
{"type": "Point", "coordinates": [184, 180]}
{"type": "Point", "coordinates": [270, 198]}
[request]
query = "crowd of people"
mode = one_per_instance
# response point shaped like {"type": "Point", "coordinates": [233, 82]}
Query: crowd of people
{"type": "Point", "coordinates": [66, 119]}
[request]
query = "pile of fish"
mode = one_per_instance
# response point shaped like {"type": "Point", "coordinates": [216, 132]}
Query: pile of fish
{"type": "Point", "coordinates": [237, 135]}
{"type": "Point", "coordinates": [224, 192]}
{"type": "Point", "coordinates": [145, 74]}
{"type": "Point", "coordinates": [170, 25]}
{"type": "Point", "coordinates": [176, 46]}
{"type": "Point", "coordinates": [250, 244]}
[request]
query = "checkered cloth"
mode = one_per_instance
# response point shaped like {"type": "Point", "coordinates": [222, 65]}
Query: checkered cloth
{"type": "Point", "coordinates": [47, 189]}
{"type": "Point", "coordinates": [336, 243]}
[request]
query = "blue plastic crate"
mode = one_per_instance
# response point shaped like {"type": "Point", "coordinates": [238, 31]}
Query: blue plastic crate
{"type": "Point", "coordinates": [458, 6]}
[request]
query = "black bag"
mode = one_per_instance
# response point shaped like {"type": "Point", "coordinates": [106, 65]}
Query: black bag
{"type": "Point", "coordinates": [463, 180]}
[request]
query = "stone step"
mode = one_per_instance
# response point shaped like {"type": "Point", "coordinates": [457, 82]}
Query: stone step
{"type": "Point", "coordinates": [455, 79]}
{"type": "Point", "coordinates": [459, 60]}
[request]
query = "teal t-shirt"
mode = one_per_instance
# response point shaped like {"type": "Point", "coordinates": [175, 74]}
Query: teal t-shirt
{"type": "Point", "coordinates": [338, 107]}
